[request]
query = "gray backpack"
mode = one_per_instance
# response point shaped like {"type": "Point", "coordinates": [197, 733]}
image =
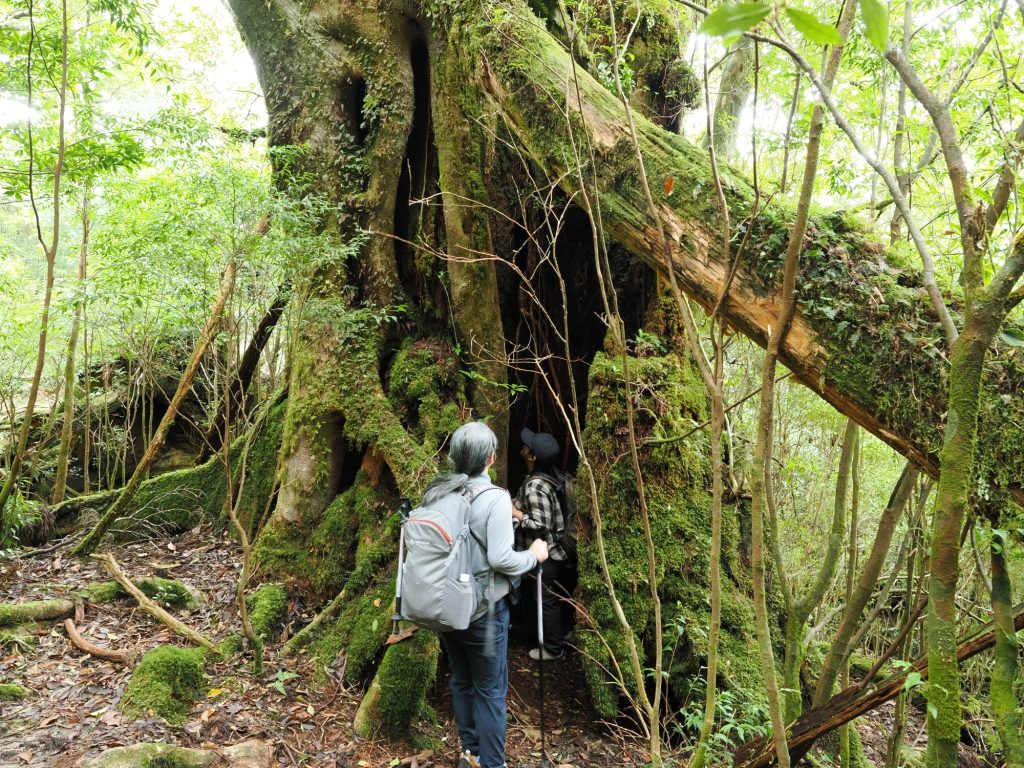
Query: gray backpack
{"type": "Point", "coordinates": [436, 587]}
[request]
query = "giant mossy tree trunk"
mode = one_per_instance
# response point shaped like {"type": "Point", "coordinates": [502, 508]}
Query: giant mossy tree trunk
{"type": "Point", "coordinates": [385, 103]}
{"type": "Point", "coordinates": [677, 483]}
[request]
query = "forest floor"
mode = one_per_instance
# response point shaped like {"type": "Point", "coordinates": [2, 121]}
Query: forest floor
{"type": "Point", "coordinates": [73, 713]}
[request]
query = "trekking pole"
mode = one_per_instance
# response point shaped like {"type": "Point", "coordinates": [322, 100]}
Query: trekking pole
{"type": "Point", "coordinates": [404, 508]}
{"type": "Point", "coordinates": [544, 761]}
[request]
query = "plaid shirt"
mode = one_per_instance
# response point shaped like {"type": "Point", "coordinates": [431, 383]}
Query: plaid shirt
{"type": "Point", "coordinates": [542, 515]}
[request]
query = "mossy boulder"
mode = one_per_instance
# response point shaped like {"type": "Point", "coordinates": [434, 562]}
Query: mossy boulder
{"type": "Point", "coordinates": [669, 398]}
{"type": "Point", "coordinates": [166, 683]}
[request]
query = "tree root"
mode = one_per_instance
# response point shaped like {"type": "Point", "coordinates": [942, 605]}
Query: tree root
{"type": "Point", "coordinates": [152, 608]}
{"type": "Point", "coordinates": [122, 657]}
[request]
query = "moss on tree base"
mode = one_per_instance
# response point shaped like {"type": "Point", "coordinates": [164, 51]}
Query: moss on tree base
{"type": "Point", "coordinates": [268, 607]}
{"type": "Point", "coordinates": [166, 683]}
{"type": "Point", "coordinates": [669, 397]}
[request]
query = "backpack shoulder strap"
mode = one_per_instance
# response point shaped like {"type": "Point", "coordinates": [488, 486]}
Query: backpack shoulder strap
{"type": "Point", "coordinates": [472, 494]}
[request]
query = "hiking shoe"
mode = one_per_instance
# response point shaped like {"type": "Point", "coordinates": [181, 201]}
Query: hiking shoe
{"type": "Point", "coordinates": [536, 654]}
{"type": "Point", "coordinates": [466, 760]}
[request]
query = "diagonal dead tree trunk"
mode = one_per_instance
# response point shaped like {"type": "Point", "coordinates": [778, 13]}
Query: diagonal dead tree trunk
{"type": "Point", "coordinates": [856, 700]}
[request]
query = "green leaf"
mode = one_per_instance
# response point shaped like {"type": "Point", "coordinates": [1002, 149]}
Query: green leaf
{"type": "Point", "coordinates": [808, 25]}
{"type": "Point", "coordinates": [913, 680]}
{"type": "Point", "coordinates": [1013, 337]}
{"type": "Point", "coordinates": [731, 20]}
{"type": "Point", "coordinates": [876, 22]}
{"type": "Point", "coordinates": [933, 711]}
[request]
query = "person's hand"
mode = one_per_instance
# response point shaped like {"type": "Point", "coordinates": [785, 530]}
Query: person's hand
{"type": "Point", "coordinates": [540, 550]}
{"type": "Point", "coordinates": [517, 513]}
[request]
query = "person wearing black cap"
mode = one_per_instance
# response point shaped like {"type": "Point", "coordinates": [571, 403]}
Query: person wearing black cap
{"type": "Point", "coordinates": [539, 512]}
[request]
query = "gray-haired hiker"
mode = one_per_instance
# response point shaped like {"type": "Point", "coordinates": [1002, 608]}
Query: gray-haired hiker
{"type": "Point", "coordinates": [478, 655]}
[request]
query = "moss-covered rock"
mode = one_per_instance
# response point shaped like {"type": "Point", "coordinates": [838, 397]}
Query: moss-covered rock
{"type": "Point", "coordinates": [166, 683]}
{"type": "Point", "coordinates": [153, 755]}
{"type": "Point", "coordinates": [268, 607]}
{"type": "Point", "coordinates": [668, 398]}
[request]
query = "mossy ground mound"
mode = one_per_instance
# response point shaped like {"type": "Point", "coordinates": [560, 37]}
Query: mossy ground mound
{"type": "Point", "coordinates": [268, 607]}
{"type": "Point", "coordinates": [166, 683]}
{"type": "Point", "coordinates": [669, 397]}
{"type": "Point", "coordinates": [179, 500]}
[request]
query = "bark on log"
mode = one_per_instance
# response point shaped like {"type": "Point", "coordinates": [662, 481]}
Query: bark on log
{"type": "Point", "coordinates": [854, 701]}
{"type": "Point", "coordinates": [121, 657]}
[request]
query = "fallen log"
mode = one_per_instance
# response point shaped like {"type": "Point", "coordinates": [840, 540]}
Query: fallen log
{"type": "Point", "coordinates": [854, 701]}
{"type": "Point", "coordinates": [152, 608]}
{"type": "Point", "coordinates": [35, 610]}
{"type": "Point", "coordinates": [121, 657]}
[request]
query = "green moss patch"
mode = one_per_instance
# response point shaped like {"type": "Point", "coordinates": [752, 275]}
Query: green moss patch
{"type": "Point", "coordinates": [166, 683]}
{"type": "Point", "coordinates": [153, 755]}
{"type": "Point", "coordinates": [13, 692]}
{"type": "Point", "coordinates": [268, 607]}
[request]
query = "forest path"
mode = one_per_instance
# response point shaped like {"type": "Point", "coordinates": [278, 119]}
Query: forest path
{"type": "Point", "coordinates": [73, 712]}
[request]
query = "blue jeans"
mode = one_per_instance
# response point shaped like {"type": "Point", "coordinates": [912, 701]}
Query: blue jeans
{"type": "Point", "coordinates": [479, 683]}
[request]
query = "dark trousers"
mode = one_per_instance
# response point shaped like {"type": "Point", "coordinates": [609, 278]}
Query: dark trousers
{"type": "Point", "coordinates": [559, 582]}
{"type": "Point", "coordinates": [479, 683]}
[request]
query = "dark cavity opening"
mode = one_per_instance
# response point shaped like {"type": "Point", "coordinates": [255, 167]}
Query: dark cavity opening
{"type": "Point", "coordinates": [418, 176]}
{"type": "Point", "coordinates": [357, 94]}
{"type": "Point", "coordinates": [529, 329]}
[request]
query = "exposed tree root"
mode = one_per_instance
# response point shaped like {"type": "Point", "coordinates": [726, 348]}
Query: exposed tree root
{"type": "Point", "coordinates": [152, 608]}
{"type": "Point", "coordinates": [121, 657]}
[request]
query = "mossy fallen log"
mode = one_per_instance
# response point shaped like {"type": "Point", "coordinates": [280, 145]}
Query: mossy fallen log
{"type": "Point", "coordinates": [166, 683]}
{"type": "Point", "coordinates": [248, 754]}
{"type": "Point", "coordinates": [13, 614]}
{"type": "Point", "coordinates": [177, 501]}
{"type": "Point", "coordinates": [167, 591]}
{"type": "Point", "coordinates": [864, 337]}
{"type": "Point", "coordinates": [856, 700]}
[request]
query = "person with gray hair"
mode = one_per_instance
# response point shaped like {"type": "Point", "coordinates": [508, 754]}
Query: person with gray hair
{"type": "Point", "coordinates": [478, 655]}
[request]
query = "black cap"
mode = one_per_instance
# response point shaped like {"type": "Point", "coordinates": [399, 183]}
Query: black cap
{"type": "Point", "coordinates": [542, 445]}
